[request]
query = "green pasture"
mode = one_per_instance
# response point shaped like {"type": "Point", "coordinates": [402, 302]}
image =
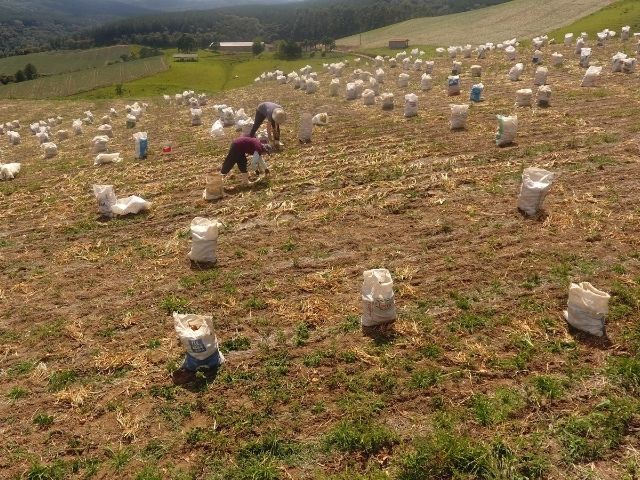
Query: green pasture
{"type": "Point", "coordinates": [214, 72]}
{"type": "Point", "coordinates": [613, 17]}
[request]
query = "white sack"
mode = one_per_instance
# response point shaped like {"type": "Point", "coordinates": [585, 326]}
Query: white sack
{"type": "Point", "coordinates": [459, 114]}
{"type": "Point", "coordinates": [204, 240]}
{"type": "Point", "coordinates": [106, 198]}
{"type": "Point", "coordinates": [536, 183]}
{"type": "Point", "coordinates": [8, 171]}
{"type": "Point", "coordinates": [378, 301]}
{"type": "Point", "coordinates": [103, 158]}
{"type": "Point", "coordinates": [587, 308]}
{"type": "Point", "coordinates": [127, 205]}
{"type": "Point", "coordinates": [507, 130]}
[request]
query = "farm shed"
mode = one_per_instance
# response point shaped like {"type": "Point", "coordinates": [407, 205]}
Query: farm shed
{"type": "Point", "coordinates": [237, 47]}
{"type": "Point", "coordinates": [185, 57]}
{"type": "Point", "coordinates": [399, 43]}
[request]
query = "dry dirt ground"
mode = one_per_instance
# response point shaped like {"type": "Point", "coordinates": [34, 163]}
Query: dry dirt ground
{"type": "Point", "coordinates": [479, 377]}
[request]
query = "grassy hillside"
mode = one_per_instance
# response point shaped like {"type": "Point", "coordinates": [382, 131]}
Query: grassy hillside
{"type": "Point", "coordinates": [66, 84]}
{"type": "Point", "coordinates": [614, 16]}
{"type": "Point", "coordinates": [213, 72]}
{"type": "Point", "coordinates": [516, 18]}
{"type": "Point", "coordinates": [63, 61]}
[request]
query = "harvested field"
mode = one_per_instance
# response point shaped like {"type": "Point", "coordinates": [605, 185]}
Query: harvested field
{"type": "Point", "coordinates": [492, 24]}
{"type": "Point", "coordinates": [479, 377]}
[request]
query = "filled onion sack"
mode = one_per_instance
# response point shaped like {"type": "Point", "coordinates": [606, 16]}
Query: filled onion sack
{"type": "Point", "coordinates": [587, 308]}
{"type": "Point", "coordinates": [536, 184]}
{"type": "Point", "coordinates": [204, 240]}
{"type": "Point", "coordinates": [507, 130]}
{"type": "Point", "coordinates": [459, 114]}
{"type": "Point", "coordinates": [197, 336]}
{"type": "Point", "coordinates": [378, 301]}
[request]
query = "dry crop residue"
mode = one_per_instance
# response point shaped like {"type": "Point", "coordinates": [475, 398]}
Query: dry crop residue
{"type": "Point", "coordinates": [88, 346]}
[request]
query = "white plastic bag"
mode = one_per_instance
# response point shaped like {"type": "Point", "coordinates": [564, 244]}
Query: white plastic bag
{"type": "Point", "coordinates": [14, 138]}
{"type": "Point", "coordinates": [141, 144]}
{"type": "Point", "coordinates": [510, 52]}
{"type": "Point", "coordinates": [199, 341]}
{"type": "Point", "coordinates": [617, 62]}
{"type": "Point", "coordinates": [321, 119]}
{"type": "Point", "coordinates": [196, 117]}
{"type": "Point", "coordinates": [591, 77]}
{"type": "Point", "coordinates": [380, 75]}
{"type": "Point", "coordinates": [387, 101]}
{"type": "Point", "coordinates": [585, 57]}
{"type": "Point", "coordinates": [536, 183]}
{"type": "Point", "coordinates": [476, 70]}
{"type": "Point", "coordinates": [403, 80]}
{"type": "Point", "coordinates": [43, 137]}
{"type": "Point", "coordinates": [540, 77]}
{"type": "Point", "coordinates": [50, 149]}
{"type": "Point", "coordinates": [8, 171]}
{"type": "Point", "coordinates": [204, 240]}
{"type": "Point", "coordinates": [456, 68]}
{"type": "Point", "coordinates": [217, 130]}
{"type": "Point", "coordinates": [77, 127]}
{"type": "Point", "coordinates": [410, 105]}
{"type": "Point", "coordinates": [106, 130]}
{"type": "Point", "coordinates": [99, 143]}
{"type": "Point", "coordinates": [459, 114]}
{"type": "Point", "coordinates": [258, 164]}
{"type": "Point", "coordinates": [426, 82]}
{"type": "Point", "coordinates": [106, 198]}
{"type": "Point", "coordinates": [587, 308]}
{"type": "Point", "coordinates": [378, 301]}
{"type": "Point", "coordinates": [507, 130]}
{"type": "Point", "coordinates": [516, 72]}
{"type": "Point", "coordinates": [428, 66]}
{"type": "Point", "coordinates": [127, 205]}
{"type": "Point", "coordinates": [369, 97]}
{"type": "Point", "coordinates": [524, 97]}
{"type": "Point", "coordinates": [568, 39]}
{"type": "Point", "coordinates": [557, 59]}
{"type": "Point", "coordinates": [544, 96]}
{"type": "Point", "coordinates": [103, 158]}
{"type": "Point", "coordinates": [629, 65]}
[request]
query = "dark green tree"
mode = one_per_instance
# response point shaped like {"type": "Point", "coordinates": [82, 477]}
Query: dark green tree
{"type": "Point", "coordinates": [30, 71]}
{"type": "Point", "coordinates": [20, 76]}
{"type": "Point", "coordinates": [258, 46]}
{"type": "Point", "coordinates": [289, 50]}
{"type": "Point", "coordinates": [329, 44]}
{"type": "Point", "coordinates": [186, 43]}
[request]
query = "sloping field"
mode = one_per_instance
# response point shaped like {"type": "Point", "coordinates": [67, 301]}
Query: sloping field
{"type": "Point", "coordinates": [480, 377]}
{"type": "Point", "coordinates": [518, 18]}
{"type": "Point", "coordinates": [614, 17]}
{"type": "Point", "coordinates": [64, 85]}
{"type": "Point", "coordinates": [53, 63]}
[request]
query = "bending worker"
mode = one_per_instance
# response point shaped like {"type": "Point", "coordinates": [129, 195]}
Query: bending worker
{"type": "Point", "coordinates": [240, 148]}
{"type": "Point", "coordinates": [275, 115]}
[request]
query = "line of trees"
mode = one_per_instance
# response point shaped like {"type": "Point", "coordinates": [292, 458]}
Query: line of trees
{"type": "Point", "coordinates": [29, 72]}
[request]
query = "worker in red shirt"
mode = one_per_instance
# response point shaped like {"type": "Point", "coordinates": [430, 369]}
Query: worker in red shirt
{"type": "Point", "coordinates": [240, 148]}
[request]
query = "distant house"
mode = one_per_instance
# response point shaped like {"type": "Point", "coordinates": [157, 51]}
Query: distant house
{"type": "Point", "coordinates": [185, 57]}
{"type": "Point", "coordinates": [399, 43]}
{"type": "Point", "coordinates": [237, 47]}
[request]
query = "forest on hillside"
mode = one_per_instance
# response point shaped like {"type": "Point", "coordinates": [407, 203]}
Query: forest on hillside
{"type": "Point", "coordinates": [26, 29]}
{"type": "Point", "coordinates": [314, 20]}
